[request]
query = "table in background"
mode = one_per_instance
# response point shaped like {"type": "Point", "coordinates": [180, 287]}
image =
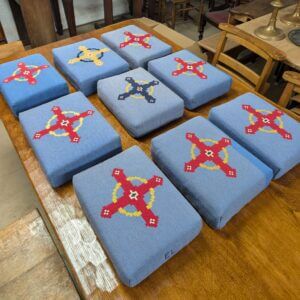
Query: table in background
{"type": "Point", "coordinates": [255, 255]}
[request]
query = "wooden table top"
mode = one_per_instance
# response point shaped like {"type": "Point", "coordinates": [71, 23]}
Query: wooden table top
{"type": "Point", "coordinates": [292, 51]}
{"type": "Point", "coordinates": [256, 255]}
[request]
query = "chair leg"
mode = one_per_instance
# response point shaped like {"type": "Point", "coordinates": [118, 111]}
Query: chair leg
{"type": "Point", "coordinates": [173, 21]}
{"type": "Point", "coordinates": [70, 16]}
{"type": "Point", "coordinates": [57, 18]}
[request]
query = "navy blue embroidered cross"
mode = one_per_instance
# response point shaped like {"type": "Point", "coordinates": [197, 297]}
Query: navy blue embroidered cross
{"type": "Point", "coordinates": [139, 89]}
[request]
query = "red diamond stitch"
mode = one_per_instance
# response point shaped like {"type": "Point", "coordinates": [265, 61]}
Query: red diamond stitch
{"type": "Point", "coordinates": [25, 72]}
{"type": "Point", "coordinates": [133, 195]}
{"type": "Point", "coordinates": [64, 123]}
{"type": "Point", "coordinates": [209, 153]}
{"type": "Point", "coordinates": [189, 67]}
{"type": "Point", "coordinates": [265, 120]}
{"type": "Point", "coordinates": [136, 39]}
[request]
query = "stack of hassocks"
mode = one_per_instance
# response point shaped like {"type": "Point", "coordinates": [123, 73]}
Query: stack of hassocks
{"type": "Point", "coordinates": [203, 167]}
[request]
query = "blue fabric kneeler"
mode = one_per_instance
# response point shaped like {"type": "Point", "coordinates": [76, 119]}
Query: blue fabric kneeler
{"type": "Point", "coordinates": [85, 62]}
{"type": "Point", "coordinates": [137, 46]}
{"type": "Point", "coordinates": [30, 81]}
{"type": "Point", "coordinates": [194, 80]}
{"type": "Point", "coordinates": [140, 102]}
{"type": "Point", "coordinates": [139, 216]}
{"type": "Point", "coordinates": [215, 174]}
{"type": "Point", "coordinates": [267, 132]}
{"type": "Point", "coordinates": [68, 135]}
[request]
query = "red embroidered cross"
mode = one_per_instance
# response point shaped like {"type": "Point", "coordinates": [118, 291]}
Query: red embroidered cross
{"type": "Point", "coordinates": [133, 195]}
{"type": "Point", "coordinates": [209, 153]}
{"type": "Point", "coordinates": [134, 38]}
{"type": "Point", "coordinates": [64, 123]}
{"type": "Point", "coordinates": [265, 120]}
{"type": "Point", "coordinates": [189, 67]}
{"type": "Point", "coordinates": [26, 73]}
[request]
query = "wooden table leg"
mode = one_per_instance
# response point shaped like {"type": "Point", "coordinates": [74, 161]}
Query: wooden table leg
{"type": "Point", "coordinates": [38, 20]}
{"type": "Point", "coordinates": [70, 16]}
{"type": "Point", "coordinates": [151, 9]}
{"type": "Point", "coordinates": [137, 8]}
{"type": "Point", "coordinates": [108, 12]}
{"type": "Point", "coordinates": [57, 18]}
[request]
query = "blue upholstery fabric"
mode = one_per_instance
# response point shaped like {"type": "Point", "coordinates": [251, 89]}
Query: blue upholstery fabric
{"type": "Point", "coordinates": [20, 94]}
{"type": "Point", "coordinates": [195, 88]}
{"type": "Point", "coordinates": [217, 193]}
{"type": "Point", "coordinates": [135, 246]}
{"type": "Point", "coordinates": [63, 153]}
{"type": "Point", "coordinates": [83, 71]}
{"type": "Point", "coordinates": [281, 152]}
{"type": "Point", "coordinates": [140, 101]}
{"type": "Point", "coordinates": [136, 54]}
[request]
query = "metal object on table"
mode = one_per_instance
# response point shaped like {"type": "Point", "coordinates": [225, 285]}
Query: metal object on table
{"type": "Point", "coordinates": [271, 32]}
{"type": "Point", "coordinates": [294, 36]}
{"type": "Point", "coordinates": [294, 18]}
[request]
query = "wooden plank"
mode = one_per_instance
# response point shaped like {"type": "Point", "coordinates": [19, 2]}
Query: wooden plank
{"type": "Point", "coordinates": [30, 265]}
{"type": "Point", "coordinates": [10, 49]}
{"type": "Point", "coordinates": [255, 254]}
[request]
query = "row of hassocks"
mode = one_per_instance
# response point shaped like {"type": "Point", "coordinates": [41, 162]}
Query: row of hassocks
{"type": "Point", "coordinates": [218, 165]}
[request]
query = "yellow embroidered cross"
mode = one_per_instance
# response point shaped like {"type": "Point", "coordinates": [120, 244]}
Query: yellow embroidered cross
{"type": "Point", "coordinates": [89, 55]}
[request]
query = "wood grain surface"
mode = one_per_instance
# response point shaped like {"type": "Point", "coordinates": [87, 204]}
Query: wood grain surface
{"type": "Point", "coordinates": [255, 256]}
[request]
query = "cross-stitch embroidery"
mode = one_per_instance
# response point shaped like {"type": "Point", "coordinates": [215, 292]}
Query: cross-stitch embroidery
{"type": "Point", "coordinates": [64, 123]}
{"type": "Point", "coordinates": [265, 118]}
{"type": "Point", "coordinates": [209, 153]}
{"type": "Point", "coordinates": [139, 90]}
{"type": "Point", "coordinates": [134, 196]}
{"type": "Point", "coordinates": [189, 68]}
{"type": "Point", "coordinates": [136, 40]}
{"type": "Point", "coordinates": [26, 73]}
{"type": "Point", "coordinates": [89, 55]}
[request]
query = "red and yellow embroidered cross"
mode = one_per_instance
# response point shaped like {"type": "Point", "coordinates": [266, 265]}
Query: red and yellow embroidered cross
{"type": "Point", "coordinates": [209, 154]}
{"type": "Point", "coordinates": [135, 196]}
{"type": "Point", "coordinates": [136, 39]}
{"type": "Point", "coordinates": [64, 123]}
{"type": "Point", "coordinates": [26, 73]}
{"type": "Point", "coordinates": [265, 118]}
{"type": "Point", "coordinates": [191, 68]}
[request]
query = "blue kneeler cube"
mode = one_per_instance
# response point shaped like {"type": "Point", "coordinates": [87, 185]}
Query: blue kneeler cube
{"type": "Point", "coordinates": [192, 78]}
{"type": "Point", "coordinates": [30, 81]}
{"type": "Point", "coordinates": [68, 135]}
{"type": "Point", "coordinates": [137, 46]}
{"type": "Point", "coordinates": [214, 173]}
{"type": "Point", "coordinates": [139, 216]}
{"type": "Point", "coordinates": [140, 101]}
{"type": "Point", "coordinates": [85, 62]}
{"type": "Point", "coordinates": [266, 131]}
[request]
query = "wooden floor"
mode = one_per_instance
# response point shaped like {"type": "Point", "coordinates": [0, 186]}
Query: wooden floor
{"type": "Point", "coordinates": [30, 265]}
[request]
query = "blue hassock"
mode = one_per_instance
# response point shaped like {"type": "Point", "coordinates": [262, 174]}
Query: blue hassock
{"type": "Point", "coordinates": [267, 132]}
{"type": "Point", "coordinates": [137, 46]}
{"type": "Point", "coordinates": [139, 216]}
{"type": "Point", "coordinates": [68, 135]}
{"type": "Point", "coordinates": [139, 101]}
{"type": "Point", "coordinates": [212, 171]}
{"type": "Point", "coordinates": [85, 62]}
{"type": "Point", "coordinates": [30, 81]}
{"type": "Point", "coordinates": [193, 79]}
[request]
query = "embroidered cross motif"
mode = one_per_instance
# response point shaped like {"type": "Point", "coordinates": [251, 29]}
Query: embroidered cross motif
{"type": "Point", "coordinates": [89, 55]}
{"type": "Point", "coordinates": [189, 68]}
{"type": "Point", "coordinates": [64, 123]}
{"type": "Point", "coordinates": [209, 154]}
{"type": "Point", "coordinates": [136, 39]}
{"type": "Point", "coordinates": [139, 89]}
{"type": "Point", "coordinates": [133, 195]}
{"type": "Point", "coordinates": [265, 118]}
{"type": "Point", "coordinates": [26, 73]}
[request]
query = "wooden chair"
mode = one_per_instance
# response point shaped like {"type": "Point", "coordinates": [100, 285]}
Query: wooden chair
{"type": "Point", "coordinates": [238, 70]}
{"type": "Point", "coordinates": [2, 36]}
{"type": "Point", "coordinates": [215, 15]}
{"type": "Point", "coordinates": [7, 50]}
{"type": "Point", "coordinates": [177, 7]}
{"type": "Point", "coordinates": [291, 92]}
